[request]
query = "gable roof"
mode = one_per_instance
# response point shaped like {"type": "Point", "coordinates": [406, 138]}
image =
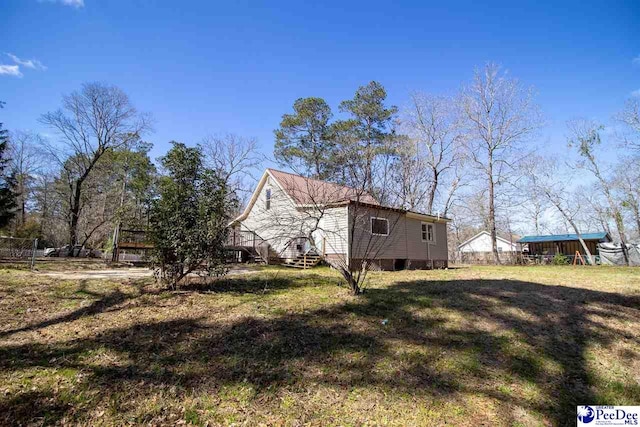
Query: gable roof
{"type": "Point", "coordinates": [471, 239]}
{"type": "Point", "coordinates": [601, 236]}
{"type": "Point", "coordinates": [309, 191]}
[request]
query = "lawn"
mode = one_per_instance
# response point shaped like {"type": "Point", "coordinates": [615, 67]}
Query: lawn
{"type": "Point", "coordinates": [469, 346]}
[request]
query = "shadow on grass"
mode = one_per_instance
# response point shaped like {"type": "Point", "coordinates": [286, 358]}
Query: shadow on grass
{"type": "Point", "coordinates": [505, 331]}
{"type": "Point", "coordinates": [246, 284]}
{"type": "Point", "coordinates": [102, 303]}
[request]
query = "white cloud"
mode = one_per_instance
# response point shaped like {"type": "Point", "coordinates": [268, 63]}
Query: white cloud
{"type": "Point", "coordinates": [28, 63]}
{"type": "Point", "coordinates": [636, 60]}
{"type": "Point", "coordinates": [73, 3]}
{"type": "Point", "coordinates": [636, 93]}
{"type": "Point", "coordinates": [10, 70]}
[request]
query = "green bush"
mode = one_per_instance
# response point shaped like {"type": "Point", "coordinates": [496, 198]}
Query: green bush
{"type": "Point", "coordinates": [188, 222]}
{"type": "Point", "coordinates": [560, 259]}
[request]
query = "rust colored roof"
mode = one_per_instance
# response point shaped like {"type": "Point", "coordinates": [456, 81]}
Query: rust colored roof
{"type": "Point", "coordinates": [309, 191]}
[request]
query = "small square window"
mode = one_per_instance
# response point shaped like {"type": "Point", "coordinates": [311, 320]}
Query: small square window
{"type": "Point", "coordinates": [427, 232]}
{"type": "Point", "coordinates": [380, 226]}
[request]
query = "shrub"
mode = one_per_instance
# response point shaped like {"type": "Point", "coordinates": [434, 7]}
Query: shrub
{"type": "Point", "coordinates": [188, 221]}
{"type": "Point", "coordinates": [560, 259]}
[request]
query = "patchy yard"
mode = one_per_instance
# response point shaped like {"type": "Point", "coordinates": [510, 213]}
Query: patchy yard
{"type": "Point", "coordinates": [470, 346]}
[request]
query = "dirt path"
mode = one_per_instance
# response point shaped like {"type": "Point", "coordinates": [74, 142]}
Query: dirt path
{"type": "Point", "coordinates": [118, 273]}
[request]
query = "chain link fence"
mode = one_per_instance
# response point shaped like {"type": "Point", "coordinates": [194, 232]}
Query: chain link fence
{"type": "Point", "coordinates": [14, 249]}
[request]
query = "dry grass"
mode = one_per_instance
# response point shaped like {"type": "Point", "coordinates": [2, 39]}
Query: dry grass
{"type": "Point", "coordinates": [482, 345]}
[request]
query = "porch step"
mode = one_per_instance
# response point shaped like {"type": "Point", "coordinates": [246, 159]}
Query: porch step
{"type": "Point", "coordinates": [304, 262]}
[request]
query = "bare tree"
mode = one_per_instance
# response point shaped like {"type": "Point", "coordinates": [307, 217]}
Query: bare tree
{"type": "Point", "coordinates": [544, 179]}
{"type": "Point", "coordinates": [630, 116]}
{"type": "Point", "coordinates": [91, 122]}
{"type": "Point", "coordinates": [536, 211]}
{"type": "Point", "coordinates": [456, 182]}
{"type": "Point", "coordinates": [598, 210]}
{"type": "Point", "coordinates": [237, 161]}
{"type": "Point", "coordinates": [410, 175]}
{"type": "Point", "coordinates": [436, 135]}
{"type": "Point", "coordinates": [500, 115]}
{"type": "Point", "coordinates": [585, 136]}
{"type": "Point", "coordinates": [26, 161]}
{"type": "Point", "coordinates": [627, 183]}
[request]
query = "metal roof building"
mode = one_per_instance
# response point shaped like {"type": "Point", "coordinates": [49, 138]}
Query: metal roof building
{"type": "Point", "coordinates": [601, 237]}
{"type": "Point", "coordinates": [566, 244]}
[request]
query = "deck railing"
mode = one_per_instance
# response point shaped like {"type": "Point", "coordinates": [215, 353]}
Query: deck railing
{"type": "Point", "coordinates": [243, 238]}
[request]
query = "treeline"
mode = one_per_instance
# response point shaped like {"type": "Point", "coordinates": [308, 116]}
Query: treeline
{"type": "Point", "coordinates": [95, 174]}
{"type": "Point", "coordinates": [474, 156]}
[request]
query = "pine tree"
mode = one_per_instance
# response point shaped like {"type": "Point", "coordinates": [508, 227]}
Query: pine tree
{"type": "Point", "coordinates": [7, 195]}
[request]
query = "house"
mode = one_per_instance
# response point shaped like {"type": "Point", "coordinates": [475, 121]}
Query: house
{"type": "Point", "coordinates": [479, 249]}
{"type": "Point", "coordinates": [566, 244]}
{"type": "Point", "coordinates": [300, 221]}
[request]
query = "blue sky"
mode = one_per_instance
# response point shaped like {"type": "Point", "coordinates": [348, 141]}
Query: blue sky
{"type": "Point", "coordinates": [214, 67]}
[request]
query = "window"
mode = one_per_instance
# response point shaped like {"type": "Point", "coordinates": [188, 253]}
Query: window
{"type": "Point", "coordinates": [427, 232]}
{"type": "Point", "coordinates": [268, 199]}
{"type": "Point", "coordinates": [379, 226]}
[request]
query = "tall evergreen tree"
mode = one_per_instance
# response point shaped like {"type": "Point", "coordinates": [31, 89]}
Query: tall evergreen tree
{"type": "Point", "coordinates": [367, 133]}
{"type": "Point", "coordinates": [7, 196]}
{"type": "Point", "coordinates": [303, 140]}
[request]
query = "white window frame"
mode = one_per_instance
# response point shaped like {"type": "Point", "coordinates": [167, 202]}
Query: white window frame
{"type": "Point", "coordinates": [426, 231]}
{"type": "Point", "coordinates": [371, 225]}
{"type": "Point", "coordinates": [268, 195]}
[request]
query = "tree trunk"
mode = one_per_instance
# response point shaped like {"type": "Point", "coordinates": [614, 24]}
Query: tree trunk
{"type": "Point", "coordinates": [492, 215]}
{"type": "Point", "coordinates": [575, 229]}
{"type": "Point", "coordinates": [23, 202]}
{"type": "Point", "coordinates": [44, 210]}
{"type": "Point", "coordinates": [115, 255]}
{"type": "Point", "coordinates": [351, 280]}
{"type": "Point", "coordinates": [612, 204]}
{"type": "Point", "coordinates": [353, 285]}
{"type": "Point", "coordinates": [432, 191]}
{"type": "Point", "coordinates": [621, 232]}
{"type": "Point", "coordinates": [75, 216]}
{"type": "Point", "coordinates": [636, 214]}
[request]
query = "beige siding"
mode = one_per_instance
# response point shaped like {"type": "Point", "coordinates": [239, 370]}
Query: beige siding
{"type": "Point", "coordinates": [332, 231]}
{"type": "Point", "coordinates": [367, 245]}
{"type": "Point", "coordinates": [403, 242]}
{"type": "Point", "coordinates": [418, 249]}
{"type": "Point", "coordinates": [331, 227]}
{"type": "Point", "coordinates": [278, 224]}
{"type": "Point", "coordinates": [284, 222]}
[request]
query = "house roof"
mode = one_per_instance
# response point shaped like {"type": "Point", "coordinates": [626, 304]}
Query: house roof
{"type": "Point", "coordinates": [308, 191]}
{"type": "Point", "coordinates": [410, 214]}
{"type": "Point", "coordinates": [471, 239]}
{"type": "Point", "coordinates": [600, 236]}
